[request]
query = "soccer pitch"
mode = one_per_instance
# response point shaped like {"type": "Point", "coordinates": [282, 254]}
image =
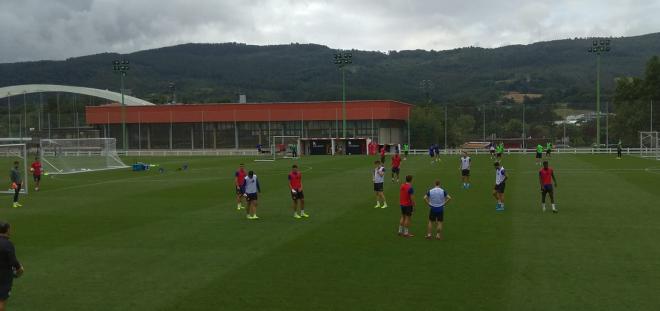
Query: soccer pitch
{"type": "Point", "coordinates": [122, 240]}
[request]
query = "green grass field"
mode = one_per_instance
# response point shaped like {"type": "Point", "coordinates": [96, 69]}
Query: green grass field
{"type": "Point", "coordinates": [122, 240]}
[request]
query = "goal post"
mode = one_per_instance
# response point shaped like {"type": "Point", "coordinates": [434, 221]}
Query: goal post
{"type": "Point", "coordinates": [282, 147]}
{"type": "Point", "coordinates": [649, 145]}
{"type": "Point", "coordinates": [9, 154]}
{"type": "Point", "coordinates": [67, 156]}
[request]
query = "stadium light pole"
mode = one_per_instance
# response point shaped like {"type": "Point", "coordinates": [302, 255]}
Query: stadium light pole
{"type": "Point", "coordinates": [9, 114]}
{"type": "Point", "coordinates": [426, 85]}
{"type": "Point", "coordinates": [484, 121]}
{"type": "Point", "coordinates": [598, 47]}
{"type": "Point", "coordinates": [121, 67]}
{"type": "Point", "coordinates": [173, 90]}
{"type": "Point", "coordinates": [342, 60]}
{"type": "Point", "coordinates": [446, 144]}
{"type": "Point", "coordinates": [524, 136]}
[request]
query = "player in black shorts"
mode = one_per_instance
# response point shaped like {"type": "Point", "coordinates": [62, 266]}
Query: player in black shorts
{"type": "Point", "coordinates": [10, 268]}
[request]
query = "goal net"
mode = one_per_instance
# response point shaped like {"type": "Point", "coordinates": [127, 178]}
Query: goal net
{"type": "Point", "coordinates": [9, 154]}
{"type": "Point", "coordinates": [282, 147]}
{"type": "Point", "coordinates": [66, 156]}
{"type": "Point", "coordinates": [649, 145]}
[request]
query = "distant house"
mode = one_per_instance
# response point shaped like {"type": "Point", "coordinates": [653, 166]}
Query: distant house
{"type": "Point", "coordinates": [519, 98]}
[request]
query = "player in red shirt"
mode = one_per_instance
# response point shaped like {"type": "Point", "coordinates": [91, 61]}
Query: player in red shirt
{"type": "Point", "coordinates": [296, 187]}
{"type": "Point", "coordinates": [396, 163]}
{"type": "Point", "coordinates": [239, 183]}
{"type": "Point", "coordinates": [36, 173]}
{"type": "Point", "coordinates": [407, 202]}
{"type": "Point", "coordinates": [546, 179]}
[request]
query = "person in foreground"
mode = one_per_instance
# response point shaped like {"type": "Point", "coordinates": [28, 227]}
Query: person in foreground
{"type": "Point", "coordinates": [10, 268]}
{"type": "Point", "coordinates": [546, 179]}
{"type": "Point", "coordinates": [16, 183]}
{"type": "Point", "coordinates": [500, 185]}
{"type": "Point", "coordinates": [36, 170]}
{"type": "Point", "coordinates": [379, 180]}
{"type": "Point", "coordinates": [466, 162]}
{"type": "Point", "coordinates": [436, 198]}
{"type": "Point", "coordinates": [396, 164]}
{"type": "Point", "coordinates": [296, 187]}
{"type": "Point", "coordinates": [240, 186]}
{"type": "Point", "coordinates": [251, 189]}
{"type": "Point", "coordinates": [407, 202]}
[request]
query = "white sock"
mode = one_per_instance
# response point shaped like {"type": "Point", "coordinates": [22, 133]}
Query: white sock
{"type": "Point", "coordinates": [553, 206]}
{"type": "Point", "coordinates": [377, 203]}
{"type": "Point", "coordinates": [400, 229]}
{"type": "Point", "coordinates": [543, 205]}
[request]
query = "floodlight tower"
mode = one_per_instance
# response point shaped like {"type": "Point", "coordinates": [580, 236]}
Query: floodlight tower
{"type": "Point", "coordinates": [173, 90]}
{"type": "Point", "coordinates": [342, 60]}
{"type": "Point", "coordinates": [121, 67]}
{"type": "Point", "coordinates": [598, 47]}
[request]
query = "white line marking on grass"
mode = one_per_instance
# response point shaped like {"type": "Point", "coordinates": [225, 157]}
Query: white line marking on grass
{"type": "Point", "coordinates": [654, 170]}
{"type": "Point", "coordinates": [165, 178]}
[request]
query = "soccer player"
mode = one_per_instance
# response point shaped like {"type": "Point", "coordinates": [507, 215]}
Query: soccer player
{"type": "Point", "coordinates": [546, 178]}
{"type": "Point", "coordinates": [500, 150]}
{"type": "Point", "coordinates": [36, 173]}
{"type": "Point", "coordinates": [382, 155]}
{"type": "Point", "coordinates": [296, 187]}
{"type": "Point", "coordinates": [618, 150]}
{"type": "Point", "coordinates": [251, 189]}
{"type": "Point", "coordinates": [466, 162]}
{"type": "Point", "coordinates": [396, 163]}
{"type": "Point", "coordinates": [436, 151]}
{"type": "Point", "coordinates": [548, 149]}
{"type": "Point", "coordinates": [500, 185]}
{"type": "Point", "coordinates": [436, 198]}
{"type": "Point", "coordinates": [240, 186]}
{"type": "Point", "coordinates": [407, 202]}
{"type": "Point", "coordinates": [379, 179]}
{"type": "Point", "coordinates": [539, 154]}
{"type": "Point", "coordinates": [492, 150]}
{"type": "Point", "coordinates": [406, 148]}
{"type": "Point", "coordinates": [432, 152]}
{"type": "Point", "coordinates": [10, 268]}
{"type": "Point", "coordinates": [16, 183]}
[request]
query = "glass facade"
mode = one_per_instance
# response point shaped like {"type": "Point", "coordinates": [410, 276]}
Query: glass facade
{"type": "Point", "coordinates": [246, 135]}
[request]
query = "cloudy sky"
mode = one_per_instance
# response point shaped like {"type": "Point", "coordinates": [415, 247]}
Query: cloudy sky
{"type": "Point", "coordinates": [57, 29]}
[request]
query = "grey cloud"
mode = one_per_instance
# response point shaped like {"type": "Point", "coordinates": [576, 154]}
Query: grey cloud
{"type": "Point", "coordinates": [56, 29]}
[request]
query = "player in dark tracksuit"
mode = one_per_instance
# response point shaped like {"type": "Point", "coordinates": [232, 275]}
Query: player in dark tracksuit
{"type": "Point", "coordinates": [16, 183]}
{"type": "Point", "coordinates": [10, 268]}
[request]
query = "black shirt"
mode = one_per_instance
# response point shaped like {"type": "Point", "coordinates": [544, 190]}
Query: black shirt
{"type": "Point", "coordinates": [8, 261]}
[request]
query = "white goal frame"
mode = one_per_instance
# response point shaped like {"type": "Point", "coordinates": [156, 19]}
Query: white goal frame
{"type": "Point", "coordinates": [107, 151]}
{"type": "Point", "coordinates": [649, 145]}
{"type": "Point", "coordinates": [275, 153]}
{"type": "Point", "coordinates": [24, 157]}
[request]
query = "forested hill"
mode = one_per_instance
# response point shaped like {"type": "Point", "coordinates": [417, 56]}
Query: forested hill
{"type": "Point", "coordinates": [562, 70]}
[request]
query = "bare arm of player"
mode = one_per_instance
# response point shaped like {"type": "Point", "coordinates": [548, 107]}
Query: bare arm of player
{"type": "Point", "coordinates": [554, 179]}
{"type": "Point", "coordinates": [426, 199]}
{"type": "Point", "coordinates": [447, 199]}
{"type": "Point", "coordinates": [412, 199]}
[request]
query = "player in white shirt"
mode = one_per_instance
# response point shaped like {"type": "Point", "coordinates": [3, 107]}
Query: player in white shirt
{"type": "Point", "coordinates": [252, 188]}
{"type": "Point", "coordinates": [492, 150]}
{"type": "Point", "coordinates": [379, 180]}
{"type": "Point", "coordinates": [500, 185]}
{"type": "Point", "coordinates": [437, 198]}
{"type": "Point", "coordinates": [466, 161]}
